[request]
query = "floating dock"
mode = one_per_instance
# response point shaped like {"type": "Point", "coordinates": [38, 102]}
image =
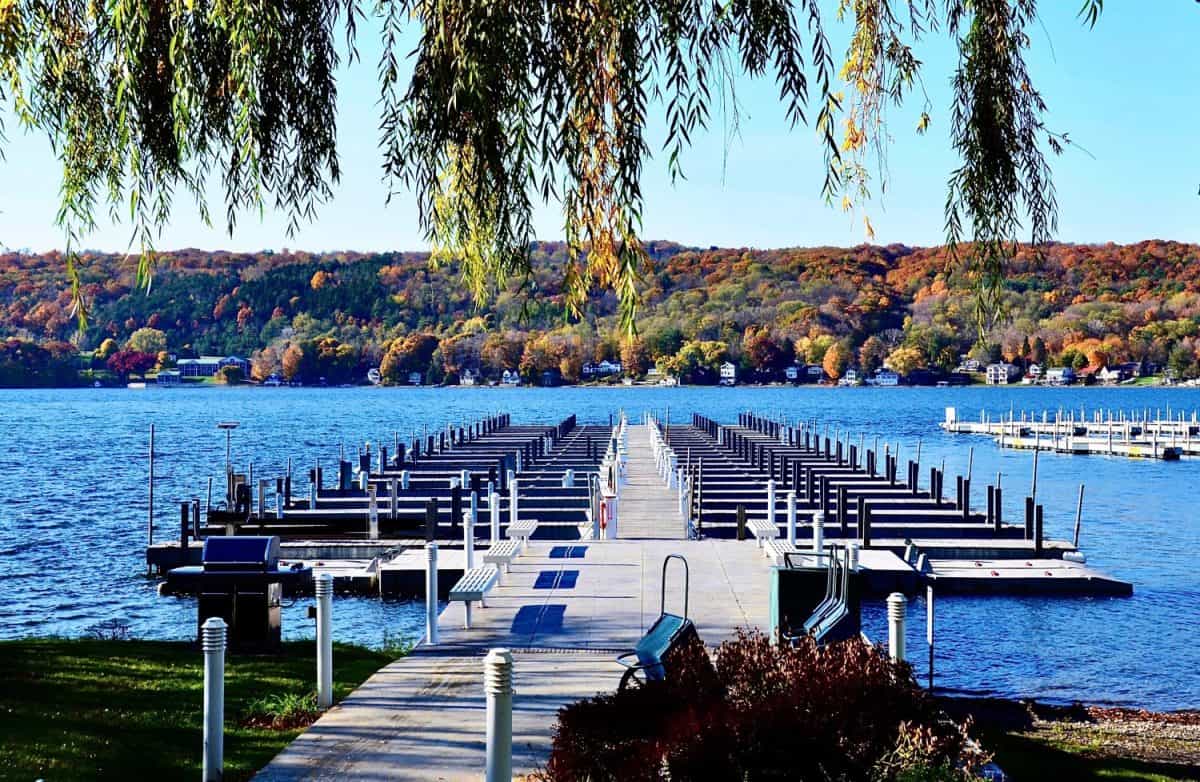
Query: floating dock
{"type": "Point", "coordinates": [1139, 434]}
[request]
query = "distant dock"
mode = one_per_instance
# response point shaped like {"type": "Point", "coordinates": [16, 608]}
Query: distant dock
{"type": "Point", "coordinates": [1137, 434]}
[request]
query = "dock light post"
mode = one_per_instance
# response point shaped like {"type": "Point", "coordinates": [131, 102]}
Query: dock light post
{"type": "Point", "coordinates": [497, 685]}
{"type": "Point", "coordinates": [212, 642]}
{"type": "Point", "coordinates": [818, 532]}
{"type": "Point", "coordinates": [324, 591]}
{"type": "Point", "coordinates": [228, 426]}
{"type": "Point", "coordinates": [431, 593]}
{"type": "Point", "coordinates": [494, 509]}
{"type": "Point", "coordinates": [897, 607]}
{"type": "Point", "coordinates": [771, 502]}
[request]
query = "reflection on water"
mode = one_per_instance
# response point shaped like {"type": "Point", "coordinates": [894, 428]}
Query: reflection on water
{"type": "Point", "coordinates": [73, 514]}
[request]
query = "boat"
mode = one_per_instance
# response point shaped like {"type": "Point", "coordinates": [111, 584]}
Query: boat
{"type": "Point", "coordinates": [138, 386]}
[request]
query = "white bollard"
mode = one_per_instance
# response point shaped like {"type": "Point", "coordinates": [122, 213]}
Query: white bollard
{"type": "Point", "coordinates": [431, 594]}
{"type": "Point", "coordinates": [373, 512]}
{"type": "Point", "coordinates": [494, 508]}
{"type": "Point", "coordinates": [497, 685]}
{"type": "Point", "coordinates": [404, 480]}
{"type": "Point", "coordinates": [791, 518]}
{"type": "Point", "coordinates": [818, 532]}
{"type": "Point", "coordinates": [771, 502]}
{"type": "Point", "coordinates": [394, 490]}
{"type": "Point", "coordinates": [568, 479]}
{"type": "Point", "coordinates": [897, 606]}
{"type": "Point", "coordinates": [212, 642]}
{"type": "Point", "coordinates": [324, 591]}
{"type": "Point", "coordinates": [512, 501]}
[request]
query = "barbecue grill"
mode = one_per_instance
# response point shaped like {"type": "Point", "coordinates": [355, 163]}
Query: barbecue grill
{"type": "Point", "coordinates": [239, 580]}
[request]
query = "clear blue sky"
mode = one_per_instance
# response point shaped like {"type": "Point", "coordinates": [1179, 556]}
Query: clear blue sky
{"type": "Point", "coordinates": [1126, 91]}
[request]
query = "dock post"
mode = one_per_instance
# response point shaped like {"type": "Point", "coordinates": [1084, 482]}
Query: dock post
{"type": "Point", "coordinates": [860, 512]}
{"type": "Point", "coordinates": [404, 479]}
{"type": "Point", "coordinates": [842, 503]}
{"type": "Point", "coordinates": [966, 499]}
{"type": "Point", "coordinates": [991, 504]}
{"type": "Point", "coordinates": [431, 519]}
{"type": "Point", "coordinates": [150, 501]}
{"type": "Point", "coordinates": [741, 522]}
{"type": "Point", "coordinates": [823, 490]}
{"type": "Point", "coordinates": [279, 497]}
{"type": "Point", "coordinates": [497, 684]}
{"type": "Point", "coordinates": [818, 532]}
{"type": "Point", "coordinates": [324, 591]}
{"type": "Point", "coordinates": [771, 500]}
{"type": "Point", "coordinates": [372, 512]}
{"type": "Point", "coordinates": [212, 642]}
{"type": "Point", "coordinates": [999, 513]}
{"type": "Point", "coordinates": [1079, 515]}
{"type": "Point", "coordinates": [394, 499]}
{"type": "Point", "coordinates": [494, 510]}
{"type": "Point", "coordinates": [1029, 518]}
{"type": "Point", "coordinates": [431, 593]}
{"type": "Point", "coordinates": [1037, 529]}
{"type": "Point", "coordinates": [791, 518]}
{"type": "Point", "coordinates": [897, 607]}
{"type": "Point", "coordinates": [512, 499]}
{"type": "Point", "coordinates": [865, 526]}
{"type": "Point", "coordinates": [456, 503]}
{"type": "Point", "coordinates": [262, 499]}
{"type": "Point", "coordinates": [183, 532]}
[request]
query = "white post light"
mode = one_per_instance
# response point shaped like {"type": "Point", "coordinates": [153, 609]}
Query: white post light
{"type": "Point", "coordinates": [818, 532]}
{"type": "Point", "coordinates": [212, 642]}
{"type": "Point", "coordinates": [497, 684]}
{"type": "Point", "coordinates": [897, 607]}
{"type": "Point", "coordinates": [494, 508]}
{"type": "Point", "coordinates": [771, 502]}
{"type": "Point", "coordinates": [431, 593]}
{"type": "Point", "coordinates": [512, 500]}
{"type": "Point", "coordinates": [791, 518]}
{"type": "Point", "coordinates": [324, 592]}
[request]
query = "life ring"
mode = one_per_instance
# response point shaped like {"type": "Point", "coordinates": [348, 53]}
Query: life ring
{"type": "Point", "coordinates": [603, 515]}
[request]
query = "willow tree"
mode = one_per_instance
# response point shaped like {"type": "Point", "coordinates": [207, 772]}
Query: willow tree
{"type": "Point", "coordinates": [511, 102]}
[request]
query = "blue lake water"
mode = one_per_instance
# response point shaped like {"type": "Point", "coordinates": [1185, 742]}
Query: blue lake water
{"type": "Point", "coordinates": [73, 514]}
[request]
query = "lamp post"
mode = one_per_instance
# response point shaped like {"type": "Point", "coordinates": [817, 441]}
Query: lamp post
{"type": "Point", "coordinates": [228, 426]}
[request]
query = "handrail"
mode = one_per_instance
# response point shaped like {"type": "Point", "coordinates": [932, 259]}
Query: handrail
{"type": "Point", "coordinates": [662, 603]}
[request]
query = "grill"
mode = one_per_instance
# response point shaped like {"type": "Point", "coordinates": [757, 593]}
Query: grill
{"type": "Point", "coordinates": [239, 580]}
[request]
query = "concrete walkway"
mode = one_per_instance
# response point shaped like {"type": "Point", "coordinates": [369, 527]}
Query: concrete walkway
{"type": "Point", "coordinates": [648, 508]}
{"type": "Point", "coordinates": [565, 610]}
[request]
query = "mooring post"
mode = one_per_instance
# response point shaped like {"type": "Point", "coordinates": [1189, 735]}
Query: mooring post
{"type": "Point", "coordinates": [818, 532]}
{"type": "Point", "coordinates": [150, 501]}
{"type": "Point", "coordinates": [791, 518]}
{"type": "Point", "coordinates": [1078, 516]}
{"type": "Point", "coordinates": [431, 519]}
{"type": "Point", "coordinates": [394, 500]}
{"type": "Point", "coordinates": [842, 505]}
{"type": "Point", "coordinates": [183, 532]}
{"type": "Point", "coordinates": [431, 593]}
{"type": "Point", "coordinates": [1037, 529]}
{"type": "Point", "coordinates": [1029, 518]}
{"type": "Point", "coordinates": [497, 684]}
{"type": "Point", "coordinates": [212, 642]}
{"type": "Point", "coordinates": [323, 587]}
{"type": "Point", "coordinates": [771, 502]}
{"type": "Point", "coordinates": [512, 499]}
{"type": "Point", "coordinates": [897, 607]}
{"type": "Point", "coordinates": [372, 512]}
{"type": "Point", "coordinates": [741, 522]}
{"type": "Point", "coordinates": [929, 629]}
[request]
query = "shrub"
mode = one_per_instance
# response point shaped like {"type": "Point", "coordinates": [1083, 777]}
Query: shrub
{"type": "Point", "coordinates": [839, 712]}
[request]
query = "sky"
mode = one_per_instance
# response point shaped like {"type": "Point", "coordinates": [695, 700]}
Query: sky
{"type": "Point", "coordinates": [1126, 92]}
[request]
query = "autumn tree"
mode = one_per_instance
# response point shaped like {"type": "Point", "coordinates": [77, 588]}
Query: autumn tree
{"type": "Point", "coordinates": [147, 340]}
{"type": "Point", "coordinates": [871, 355]}
{"type": "Point", "coordinates": [635, 357]}
{"type": "Point", "coordinates": [836, 360]}
{"type": "Point", "coordinates": [904, 360]}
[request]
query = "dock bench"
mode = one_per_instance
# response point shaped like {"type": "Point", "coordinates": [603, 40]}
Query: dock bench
{"type": "Point", "coordinates": [522, 529]}
{"type": "Point", "coordinates": [502, 553]}
{"type": "Point", "coordinates": [762, 530]}
{"type": "Point", "coordinates": [472, 587]}
{"type": "Point", "coordinates": [775, 550]}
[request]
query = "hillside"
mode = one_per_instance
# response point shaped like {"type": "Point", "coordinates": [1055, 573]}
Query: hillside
{"type": "Point", "coordinates": [335, 315]}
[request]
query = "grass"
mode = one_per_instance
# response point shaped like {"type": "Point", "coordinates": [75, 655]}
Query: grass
{"type": "Point", "coordinates": [1032, 757]}
{"type": "Point", "coordinates": [100, 709]}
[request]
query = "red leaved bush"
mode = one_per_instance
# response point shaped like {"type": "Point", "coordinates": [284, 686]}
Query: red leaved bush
{"type": "Point", "coordinates": [839, 712]}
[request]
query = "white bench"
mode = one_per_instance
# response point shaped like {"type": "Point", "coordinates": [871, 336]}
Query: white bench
{"type": "Point", "coordinates": [762, 530]}
{"type": "Point", "coordinates": [473, 585]}
{"type": "Point", "coordinates": [522, 529]}
{"type": "Point", "coordinates": [502, 553]}
{"type": "Point", "coordinates": [775, 550]}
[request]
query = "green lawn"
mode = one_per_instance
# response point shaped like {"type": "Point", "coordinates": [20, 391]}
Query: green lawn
{"type": "Point", "coordinates": [87, 709]}
{"type": "Point", "coordinates": [1028, 758]}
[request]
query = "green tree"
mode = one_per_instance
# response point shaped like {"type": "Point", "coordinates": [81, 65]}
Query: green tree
{"type": "Point", "coordinates": [147, 340]}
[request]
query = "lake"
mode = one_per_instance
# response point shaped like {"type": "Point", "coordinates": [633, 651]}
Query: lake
{"type": "Point", "coordinates": [73, 477]}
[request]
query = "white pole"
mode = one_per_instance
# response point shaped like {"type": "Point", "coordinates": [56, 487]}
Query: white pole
{"type": "Point", "coordinates": [212, 642]}
{"type": "Point", "coordinates": [373, 511]}
{"type": "Point", "coordinates": [494, 509]}
{"type": "Point", "coordinates": [818, 532]}
{"type": "Point", "coordinates": [771, 502]}
{"type": "Point", "coordinates": [431, 594]}
{"type": "Point", "coordinates": [324, 591]}
{"type": "Point", "coordinates": [897, 606]}
{"type": "Point", "coordinates": [469, 518]}
{"type": "Point", "coordinates": [497, 685]}
{"type": "Point", "coordinates": [512, 499]}
{"type": "Point", "coordinates": [791, 518]}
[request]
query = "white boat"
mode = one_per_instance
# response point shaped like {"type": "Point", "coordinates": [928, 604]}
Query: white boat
{"type": "Point", "coordinates": [140, 386]}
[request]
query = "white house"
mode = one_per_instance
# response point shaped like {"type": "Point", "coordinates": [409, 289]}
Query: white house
{"type": "Point", "coordinates": [886, 377]}
{"type": "Point", "coordinates": [603, 368]}
{"type": "Point", "coordinates": [168, 377]}
{"type": "Point", "coordinates": [1002, 374]}
{"type": "Point", "coordinates": [1060, 376]}
{"type": "Point", "coordinates": [792, 373]}
{"type": "Point", "coordinates": [510, 378]}
{"type": "Point", "coordinates": [466, 378]}
{"type": "Point", "coordinates": [728, 373]}
{"type": "Point", "coordinates": [850, 378]}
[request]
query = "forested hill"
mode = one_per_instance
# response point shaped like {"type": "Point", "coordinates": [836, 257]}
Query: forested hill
{"type": "Point", "coordinates": [340, 313]}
